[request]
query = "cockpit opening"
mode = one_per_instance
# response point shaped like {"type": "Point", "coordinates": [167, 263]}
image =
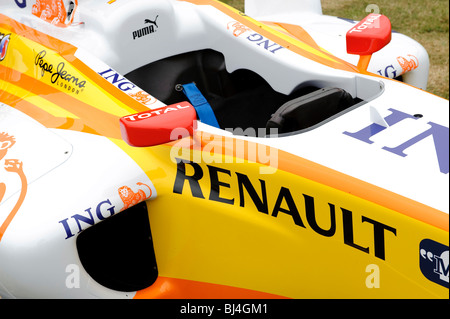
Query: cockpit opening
{"type": "Point", "coordinates": [242, 98]}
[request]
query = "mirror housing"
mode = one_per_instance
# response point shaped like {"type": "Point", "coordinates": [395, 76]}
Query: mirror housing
{"type": "Point", "coordinates": [368, 36]}
{"type": "Point", "coordinates": [159, 126]}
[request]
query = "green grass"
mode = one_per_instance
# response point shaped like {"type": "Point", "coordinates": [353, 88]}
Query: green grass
{"type": "Point", "coordinates": [425, 21]}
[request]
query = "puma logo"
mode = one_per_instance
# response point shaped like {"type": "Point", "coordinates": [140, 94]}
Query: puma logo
{"type": "Point", "coordinates": [149, 29]}
{"type": "Point", "coordinates": [152, 22]}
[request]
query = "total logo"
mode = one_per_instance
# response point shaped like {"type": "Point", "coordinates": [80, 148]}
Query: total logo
{"type": "Point", "coordinates": [434, 261]}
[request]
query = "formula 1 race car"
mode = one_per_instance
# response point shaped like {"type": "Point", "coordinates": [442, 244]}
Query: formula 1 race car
{"type": "Point", "coordinates": [184, 149]}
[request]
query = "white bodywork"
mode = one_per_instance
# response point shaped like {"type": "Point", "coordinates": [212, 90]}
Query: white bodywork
{"type": "Point", "coordinates": [329, 32]}
{"type": "Point", "coordinates": [103, 34]}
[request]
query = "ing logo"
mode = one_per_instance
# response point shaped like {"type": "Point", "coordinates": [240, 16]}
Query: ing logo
{"type": "Point", "coordinates": [143, 97]}
{"type": "Point", "coordinates": [14, 166]}
{"type": "Point", "coordinates": [409, 63]}
{"type": "Point", "coordinates": [55, 11]}
{"type": "Point", "coordinates": [256, 38]}
{"type": "Point", "coordinates": [50, 11]}
{"type": "Point", "coordinates": [439, 134]}
{"type": "Point", "coordinates": [238, 28]}
{"type": "Point", "coordinates": [130, 198]}
{"type": "Point", "coordinates": [21, 3]}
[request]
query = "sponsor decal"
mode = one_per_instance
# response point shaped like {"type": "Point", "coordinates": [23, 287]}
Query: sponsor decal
{"type": "Point", "coordinates": [300, 207]}
{"type": "Point", "coordinates": [371, 22]}
{"type": "Point", "coordinates": [155, 112]}
{"type": "Point", "coordinates": [264, 43]}
{"type": "Point", "coordinates": [106, 208]}
{"type": "Point", "coordinates": [58, 75]}
{"type": "Point", "coordinates": [79, 222]}
{"type": "Point", "coordinates": [439, 133]}
{"type": "Point", "coordinates": [239, 29]}
{"type": "Point", "coordinates": [21, 3]}
{"type": "Point", "coordinates": [128, 87]}
{"type": "Point", "coordinates": [389, 72]}
{"type": "Point", "coordinates": [4, 41]}
{"type": "Point", "coordinates": [130, 198]}
{"type": "Point", "coordinates": [408, 63]}
{"type": "Point", "coordinates": [14, 166]}
{"type": "Point", "coordinates": [54, 11]}
{"type": "Point", "coordinates": [151, 26]}
{"type": "Point", "coordinates": [115, 78]}
{"type": "Point", "coordinates": [434, 261]}
{"type": "Point", "coordinates": [50, 11]}
{"type": "Point", "coordinates": [143, 97]}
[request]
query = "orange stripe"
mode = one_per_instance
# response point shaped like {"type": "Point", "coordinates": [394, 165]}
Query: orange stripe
{"type": "Point", "coordinates": [108, 87]}
{"type": "Point", "coordinates": [46, 119]}
{"type": "Point", "coordinates": [172, 288]}
{"type": "Point", "coordinates": [324, 175]}
{"type": "Point", "coordinates": [12, 214]}
{"type": "Point", "coordinates": [94, 119]}
{"type": "Point", "coordinates": [355, 187]}
{"type": "Point", "coordinates": [297, 32]}
{"type": "Point", "coordinates": [67, 51]}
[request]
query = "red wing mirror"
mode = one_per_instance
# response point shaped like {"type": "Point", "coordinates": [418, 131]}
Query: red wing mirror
{"type": "Point", "coordinates": [368, 36]}
{"type": "Point", "coordinates": [159, 126]}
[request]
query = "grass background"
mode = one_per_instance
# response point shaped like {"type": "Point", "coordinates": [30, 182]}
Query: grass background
{"type": "Point", "coordinates": [425, 21]}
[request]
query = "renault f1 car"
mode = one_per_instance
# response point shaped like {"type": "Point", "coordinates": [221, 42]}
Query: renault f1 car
{"type": "Point", "coordinates": [185, 149]}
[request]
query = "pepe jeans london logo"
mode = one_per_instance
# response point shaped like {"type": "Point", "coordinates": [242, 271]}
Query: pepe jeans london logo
{"type": "Point", "coordinates": [58, 75]}
{"type": "Point", "coordinates": [151, 26]}
{"type": "Point", "coordinates": [434, 261]}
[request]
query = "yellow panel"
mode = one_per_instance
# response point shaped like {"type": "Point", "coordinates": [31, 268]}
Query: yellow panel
{"type": "Point", "coordinates": [39, 62]}
{"type": "Point", "coordinates": [226, 238]}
